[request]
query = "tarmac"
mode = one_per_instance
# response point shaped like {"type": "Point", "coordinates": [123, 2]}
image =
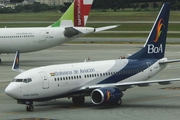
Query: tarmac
{"type": "Point", "coordinates": [158, 102]}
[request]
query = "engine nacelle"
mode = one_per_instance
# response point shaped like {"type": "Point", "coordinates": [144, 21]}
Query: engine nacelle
{"type": "Point", "coordinates": [106, 95]}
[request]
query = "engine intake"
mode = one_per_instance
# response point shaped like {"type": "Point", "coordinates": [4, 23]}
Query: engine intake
{"type": "Point", "coordinates": [106, 95]}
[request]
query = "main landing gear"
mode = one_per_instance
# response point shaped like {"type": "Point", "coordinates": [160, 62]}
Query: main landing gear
{"type": "Point", "coordinates": [78, 100]}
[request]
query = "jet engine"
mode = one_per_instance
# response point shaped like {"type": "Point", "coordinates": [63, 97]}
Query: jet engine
{"type": "Point", "coordinates": [106, 95]}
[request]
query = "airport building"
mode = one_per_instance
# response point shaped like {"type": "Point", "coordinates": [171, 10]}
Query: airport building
{"type": "Point", "coordinates": [4, 1]}
{"type": "Point", "coordinates": [54, 2]}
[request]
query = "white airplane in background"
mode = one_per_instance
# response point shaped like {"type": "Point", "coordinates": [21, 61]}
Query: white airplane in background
{"type": "Point", "coordinates": [103, 81]}
{"type": "Point", "coordinates": [68, 27]}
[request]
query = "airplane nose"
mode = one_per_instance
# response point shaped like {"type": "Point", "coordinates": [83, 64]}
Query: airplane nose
{"type": "Point", "coordinates": [10, 91]}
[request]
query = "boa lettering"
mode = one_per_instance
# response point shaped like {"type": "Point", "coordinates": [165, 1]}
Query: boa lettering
{"type": "Point", "coordinates": [153, 49]}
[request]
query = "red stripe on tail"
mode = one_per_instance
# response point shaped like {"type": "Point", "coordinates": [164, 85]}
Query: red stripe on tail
{"type": "Point", "coordinates": [80, 10]}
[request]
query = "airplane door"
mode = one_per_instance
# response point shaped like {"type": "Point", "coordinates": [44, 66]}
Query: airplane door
{"type": "Point", "coordinates": [150, 69]}
{"type": "Point", "coordinates": [42, 36]}
{"type": "Point", "coordinates": [45, 80]}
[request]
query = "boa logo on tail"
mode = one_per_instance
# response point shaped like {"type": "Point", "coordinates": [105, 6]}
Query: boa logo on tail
{"type": "Point", "coordinates": [81, 12]}
{"type": "Point", "coordinates": [159, 29]}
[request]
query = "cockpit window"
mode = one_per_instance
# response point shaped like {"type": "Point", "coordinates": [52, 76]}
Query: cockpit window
{"type": "Point", "coordinates": [22, 80]}
{"type": "Point", "coordinates": [19, 80]}
{"type": "Point", "coordinates": [27, 80]}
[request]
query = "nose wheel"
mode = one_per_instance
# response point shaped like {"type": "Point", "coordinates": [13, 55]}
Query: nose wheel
{"type": "Point", "coordinates": [30, 108]}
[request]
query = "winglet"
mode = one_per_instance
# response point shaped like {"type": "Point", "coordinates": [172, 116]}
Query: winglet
{"type": "Point", "coordinates": [76, 15]}
{"type": "Point", "coordinates": [15, 66]}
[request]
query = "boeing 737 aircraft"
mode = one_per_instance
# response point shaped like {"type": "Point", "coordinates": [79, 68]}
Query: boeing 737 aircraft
{"type": "Point", "coordinates": [103, 81]}
{"type": "Point", "coordinates": [68, 27]}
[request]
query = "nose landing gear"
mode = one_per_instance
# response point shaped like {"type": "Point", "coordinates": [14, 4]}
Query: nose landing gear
{"type": "Point", "coordinates": [30, 108]}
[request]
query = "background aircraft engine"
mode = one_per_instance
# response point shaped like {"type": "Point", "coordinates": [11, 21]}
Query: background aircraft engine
{"type": "Point", "coordinates": [106, 95]}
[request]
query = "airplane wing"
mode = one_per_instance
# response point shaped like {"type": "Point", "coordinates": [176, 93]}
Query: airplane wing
{"type": "Point", "coordinates": [80, 31]}
{"type": "Point", "coordinates": [131, 84]}
{"type": "Point", "coordinates": [15, 66]}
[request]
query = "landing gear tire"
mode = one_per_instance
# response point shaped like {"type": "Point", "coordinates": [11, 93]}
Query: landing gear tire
{"type": "Point", "coordinates": [78, 100]}
{"type": "Point", "coordinates": [30, 108]}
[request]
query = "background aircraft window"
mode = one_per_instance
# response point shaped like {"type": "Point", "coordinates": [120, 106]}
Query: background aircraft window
{"type": "Point", "coordinates": [55, 79]}
{"type": "Point", "coordinates": [80, 77]}
{"type": "Point", "coordinates": [85, 76]}
{"type": "Point", "coordinates": [72, 77]}
{"type": "Point", "coordinates": [77, 77]}
{"type": "Point", "coordinates": [92, 75]}
{"type": "Point", "coordinates": [58, 79]}
{"type": "Point", "coordinates": [69, 77]}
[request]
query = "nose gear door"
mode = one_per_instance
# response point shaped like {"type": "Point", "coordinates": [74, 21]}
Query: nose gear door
{"type": "Point", "coordinates": [45, 80]}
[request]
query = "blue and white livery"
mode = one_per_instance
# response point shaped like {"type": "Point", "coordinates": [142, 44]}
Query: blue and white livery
{"type": "Point", "coordinates": [103, 81]}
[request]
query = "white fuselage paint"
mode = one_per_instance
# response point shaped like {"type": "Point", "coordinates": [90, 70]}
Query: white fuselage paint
{"type": "Point", "coordinates": [35, 38]}
{"type": "Point", "coordinates": [29, 39]}
{"type": "Point", "coordinates": [47, 83]}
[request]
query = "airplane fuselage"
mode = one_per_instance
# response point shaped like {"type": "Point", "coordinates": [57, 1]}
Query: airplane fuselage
{"type": "Point", "coordinates": [30, 39]}
{"type": "Point", "coordinates": [60, 80]}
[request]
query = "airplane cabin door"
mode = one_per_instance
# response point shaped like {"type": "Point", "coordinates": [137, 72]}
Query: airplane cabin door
{"type": "Point", "coordinates": [42, 36]}
{"type": "Point", "coordinates": [45, 80]}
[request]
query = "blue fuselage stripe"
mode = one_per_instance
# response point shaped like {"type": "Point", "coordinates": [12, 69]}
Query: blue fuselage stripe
{"type": "Point", "coordinates": [133, 67]}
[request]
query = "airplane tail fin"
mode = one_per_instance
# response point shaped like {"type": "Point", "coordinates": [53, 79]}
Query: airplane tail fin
{"type": "Point", "coordinates": [76, 15]}
{"type": "Point", "coordinates": [15, 66]}
{"type": "Point", "coordinates": [156, 41]}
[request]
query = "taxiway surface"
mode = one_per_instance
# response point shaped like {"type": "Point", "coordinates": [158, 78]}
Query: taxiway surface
{"type": "Point", "coordinates": [139, 103]}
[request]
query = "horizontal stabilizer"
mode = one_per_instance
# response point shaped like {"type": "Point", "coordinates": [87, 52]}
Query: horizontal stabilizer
{"type": "Point", "coordinates": [15, 66]}
{"type": "Point", "coordinates": [105, 28]}
{"type": "Point", "coordinates": [169, 61]}
{"type": "Point", "coordinates": [70, 32]}
{"type": "Point", "coordinates": [77, 31]}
